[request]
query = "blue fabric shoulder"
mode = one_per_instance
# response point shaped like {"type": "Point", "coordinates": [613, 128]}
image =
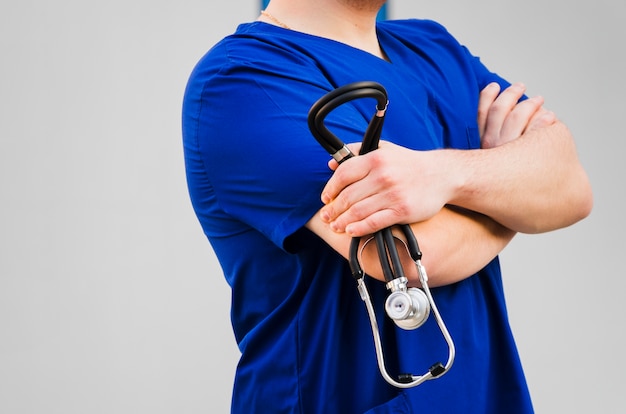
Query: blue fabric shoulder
{"type": "Point", "coordinates": [266, 172]}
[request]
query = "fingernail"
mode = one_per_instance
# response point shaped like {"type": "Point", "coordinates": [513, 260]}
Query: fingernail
{"type": "Point", "coordinates": [325, 216]}
{"type": "Point", "coordinates": [325, 198]}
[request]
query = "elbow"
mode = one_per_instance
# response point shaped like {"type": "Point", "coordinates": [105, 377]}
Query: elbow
{"type": "Point", "coordinates": [580, 200]}
{"type": "Point", "coordinates": [572, 192]}
{"type": "Point", "coordinates": [573, 205]}
{"type": "Point", "coordinates": [584, 200]}
{"type": "Point", "coordinates": [576, 190]}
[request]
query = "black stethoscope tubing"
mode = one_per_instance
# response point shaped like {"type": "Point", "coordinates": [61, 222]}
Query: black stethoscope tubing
{"type": "Point", "coordinates": [320, 109]}
{"type": "Point", "coordinates": [385, 241]}
{"type": "Point", "coordinates": [388, 254]}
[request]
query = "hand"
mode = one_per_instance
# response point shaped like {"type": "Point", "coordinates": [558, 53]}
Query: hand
{"type": "Point", "coordinates": [385, 187]}
{"type": "Point", "coordinates": [502, 119]}
{"type": "Point", "coordinates": [395, 185]}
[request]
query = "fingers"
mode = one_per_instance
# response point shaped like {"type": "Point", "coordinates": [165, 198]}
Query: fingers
{"type": "Point", "coordinates": [376, 190]}
{"type": "Point", "coordinates": [374, 222]}
{"type": "Point", "coordinates": [364, 216]}
{"type": "Point", "coordinates": [502, 107]}
{"type": "Point", "coordinates": [519, 119]}
{"type": "Point", "coordinates": [353, 170]}
{"type": "Point", "coordinates": [345, 197]}
{"type": "Point", "coordinates": [365, 191]}
{"type": "Point", "coordinates": [503, 118]}
{"type": "Point", "coordinates": [542, 118]}
{"type": "Point", "coordinates": [486, 98]}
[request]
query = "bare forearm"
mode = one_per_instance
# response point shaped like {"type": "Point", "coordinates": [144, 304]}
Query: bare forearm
{"type": "Point", "coordinates": [531, 185]}
{"type": "Point", "coordinates": [455, 244]}
{"type": "Point", "coordinates": [527, 176]}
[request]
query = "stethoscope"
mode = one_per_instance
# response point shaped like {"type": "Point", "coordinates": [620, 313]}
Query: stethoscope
{"type": "Point", "coordinates": [408, 307]}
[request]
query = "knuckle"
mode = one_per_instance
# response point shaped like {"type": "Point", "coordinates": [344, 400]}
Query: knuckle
{"type": "Point", "coordinates": [495, 110]}
{"type": "Point", "coordinates": [516, 116]}
{"type": "Point", "coordinates": [401, 209]}
{"type": "Point", "coordinates": [342, 201]}
{"type": "Point", "coordinates": [375, 223]}
{"type": "Point", "coordinates": [357, 211]}
{"type": "Point", "coordinates": [376, 159]}
{"type": "Point", "coordinates": [339, 176]}
{"type": "Point", "coordinates": [385, 178]}
{"type": "Point", "coordinates": [396, 197]}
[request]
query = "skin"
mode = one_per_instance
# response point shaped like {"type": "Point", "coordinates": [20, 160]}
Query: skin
{"type": "Point", "coordinates": [464, 206]}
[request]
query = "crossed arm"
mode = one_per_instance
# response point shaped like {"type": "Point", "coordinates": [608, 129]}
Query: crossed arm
{"type": "Point", "coordinates": [468, 204]}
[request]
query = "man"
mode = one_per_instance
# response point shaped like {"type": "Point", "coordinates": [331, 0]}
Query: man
{"type": "Point", "coordinates": [466, 160]}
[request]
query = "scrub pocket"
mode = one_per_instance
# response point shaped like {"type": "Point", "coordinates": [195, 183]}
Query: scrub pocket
{"type": "Point", "coordinates": [398, 405]}
{"type": "Point", "coordinates": [473, 137]}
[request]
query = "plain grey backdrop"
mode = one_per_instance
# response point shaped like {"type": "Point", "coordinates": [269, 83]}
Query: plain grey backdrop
{"type": "Point", "coordinates": [110, 298]}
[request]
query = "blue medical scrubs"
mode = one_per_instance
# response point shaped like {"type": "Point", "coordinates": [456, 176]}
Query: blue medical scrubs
{"type": "Point", "coordinates": [255, 174]}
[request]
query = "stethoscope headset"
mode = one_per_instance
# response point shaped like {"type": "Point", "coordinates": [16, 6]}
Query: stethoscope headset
{"type": "Point", "coordinates": [408, 307]}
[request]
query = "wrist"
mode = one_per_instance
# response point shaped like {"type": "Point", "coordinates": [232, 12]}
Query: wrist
{"type": "Point", "coordinates": [458, 175]}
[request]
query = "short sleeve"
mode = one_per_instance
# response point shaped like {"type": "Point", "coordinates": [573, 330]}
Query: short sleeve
{"type": "Point", "coordinates": [263, 165]}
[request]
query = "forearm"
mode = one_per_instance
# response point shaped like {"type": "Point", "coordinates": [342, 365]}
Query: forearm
{"type": "Point", "coordinates": [455, 244]}
{"type": "Point", "coordinates": [527, 176]}
{"type": "Point", "coordinates": [531, 185]}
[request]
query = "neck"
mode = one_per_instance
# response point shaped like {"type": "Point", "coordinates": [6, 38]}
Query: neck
{"type": "Point", "coordinates": [352, 22]}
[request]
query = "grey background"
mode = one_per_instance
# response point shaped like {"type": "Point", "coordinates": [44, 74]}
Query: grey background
{"type": "Point", "coordinates": [110, 298]}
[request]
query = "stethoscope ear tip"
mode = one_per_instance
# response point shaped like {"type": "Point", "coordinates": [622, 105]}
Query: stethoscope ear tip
{"type": "Point", "coordinates": [437, 370]}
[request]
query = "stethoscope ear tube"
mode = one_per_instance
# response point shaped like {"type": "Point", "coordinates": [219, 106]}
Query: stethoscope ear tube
{"type": "Point", "coordinates": [332, 100]}
{"type": "Point", "coordinates": [408, 307]}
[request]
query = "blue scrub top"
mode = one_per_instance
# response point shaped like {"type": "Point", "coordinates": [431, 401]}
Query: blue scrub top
{"type": "Point", "coordinates": [255, 175]}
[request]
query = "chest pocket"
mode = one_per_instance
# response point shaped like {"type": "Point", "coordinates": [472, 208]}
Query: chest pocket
{"type": "Point", "coordinates": [398, 405]}
{"type": "Point", "coordinates": [473, 137]}
{"type": "Point", "coordinates": [458, 130]}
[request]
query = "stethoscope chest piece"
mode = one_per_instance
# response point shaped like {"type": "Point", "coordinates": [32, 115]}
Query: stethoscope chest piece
{"type": "Point", "coordinates": [408, 309]}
